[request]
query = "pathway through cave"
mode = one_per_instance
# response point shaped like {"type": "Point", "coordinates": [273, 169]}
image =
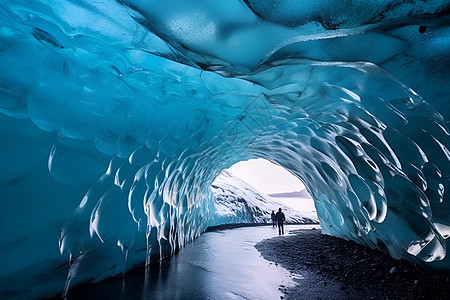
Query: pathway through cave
{"type": "Point", "coordinates": [217, 265]}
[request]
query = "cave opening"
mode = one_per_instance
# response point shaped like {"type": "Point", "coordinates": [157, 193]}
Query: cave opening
{"type": "Point", "coordinates": [250, 190]}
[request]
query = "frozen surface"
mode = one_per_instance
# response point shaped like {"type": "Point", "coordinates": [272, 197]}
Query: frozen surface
{"type": "Point", "coordinates": [116, 117]}
{"type": "Point", "coordinates": [239, 202]}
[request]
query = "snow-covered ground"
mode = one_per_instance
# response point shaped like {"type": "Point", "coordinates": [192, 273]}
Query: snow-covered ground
{"type": "Point", "coordinates": [239, 202]}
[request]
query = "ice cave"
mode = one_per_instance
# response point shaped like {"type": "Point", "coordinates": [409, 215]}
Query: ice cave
{"type": "Point", "coordinates": [116, 117]}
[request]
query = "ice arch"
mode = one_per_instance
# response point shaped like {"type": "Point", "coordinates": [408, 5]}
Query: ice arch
{"type": "Point", "coordinates": [111, 133]}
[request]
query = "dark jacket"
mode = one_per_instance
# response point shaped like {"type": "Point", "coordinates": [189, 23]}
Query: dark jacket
{"type": "Point", "coordinates": [280, 217]}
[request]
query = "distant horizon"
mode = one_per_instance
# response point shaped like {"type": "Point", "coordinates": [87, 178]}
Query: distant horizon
{"type": "Point", "coordinates": [295, 194]}
{"type": "Point", "coordinates": [266, 177]}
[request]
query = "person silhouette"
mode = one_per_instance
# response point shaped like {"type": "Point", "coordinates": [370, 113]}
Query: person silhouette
{"type": "Point", "coordinates": [280, 219]}
{"type": "Point", "coordinates": [273, 217]}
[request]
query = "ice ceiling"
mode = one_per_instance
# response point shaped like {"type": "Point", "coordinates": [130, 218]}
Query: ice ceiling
{"type": "Point", "coordinates": [116, 116]}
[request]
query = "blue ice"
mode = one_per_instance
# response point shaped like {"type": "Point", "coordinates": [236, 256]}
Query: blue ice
{"type": "Point", "coordinates": [116, 117]}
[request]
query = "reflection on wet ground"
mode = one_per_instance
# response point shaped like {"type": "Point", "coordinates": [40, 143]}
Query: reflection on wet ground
{"type": "Point", "coordinates": [218, 265]}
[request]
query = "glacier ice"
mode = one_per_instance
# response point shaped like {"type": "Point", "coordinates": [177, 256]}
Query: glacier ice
{"type": "Point", "coordinates": [116, 117]}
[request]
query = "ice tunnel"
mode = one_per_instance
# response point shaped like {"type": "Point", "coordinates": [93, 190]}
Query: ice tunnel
{"type": "Point", "coordinates": [116, 117]}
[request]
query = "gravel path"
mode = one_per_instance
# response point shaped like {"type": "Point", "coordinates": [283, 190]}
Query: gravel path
{"type": "Point", "coordinates": [332, 268]}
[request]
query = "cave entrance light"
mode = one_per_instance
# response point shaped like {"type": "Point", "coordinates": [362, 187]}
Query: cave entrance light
{"type": "Point", "coordinates": [263, 186]}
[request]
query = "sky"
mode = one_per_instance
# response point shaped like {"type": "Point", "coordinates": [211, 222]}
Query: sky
{"type": "Point", "coordinates": [266, 177]}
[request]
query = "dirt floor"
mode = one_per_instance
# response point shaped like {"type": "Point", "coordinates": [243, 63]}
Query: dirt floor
{"type": "Point", "coordinates": [357, 271]}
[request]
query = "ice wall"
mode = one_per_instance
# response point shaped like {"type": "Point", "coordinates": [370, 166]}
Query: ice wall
{"type": "Point", "coordinates": [116, 116]}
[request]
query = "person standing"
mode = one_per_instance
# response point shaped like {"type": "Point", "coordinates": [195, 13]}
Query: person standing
{"type": "Point", "coordinates": [280, 219]}
{"type": "Point", "coordinates": [273, 217]}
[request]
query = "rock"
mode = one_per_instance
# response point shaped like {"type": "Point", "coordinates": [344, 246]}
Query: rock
{"type": "Point", "coordinates": [381, 276]}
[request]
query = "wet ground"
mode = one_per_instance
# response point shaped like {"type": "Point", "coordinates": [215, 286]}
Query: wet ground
{"type": "Point", "coordinates": [257, 263]}
{"type": "Point", "coordinates": [357, 271]}
{"type": "Point", "coordinates": [221, 264]}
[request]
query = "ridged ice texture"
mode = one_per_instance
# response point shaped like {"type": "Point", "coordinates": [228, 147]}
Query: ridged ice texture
{"type": "Point", "coordinates": [116, 116]}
